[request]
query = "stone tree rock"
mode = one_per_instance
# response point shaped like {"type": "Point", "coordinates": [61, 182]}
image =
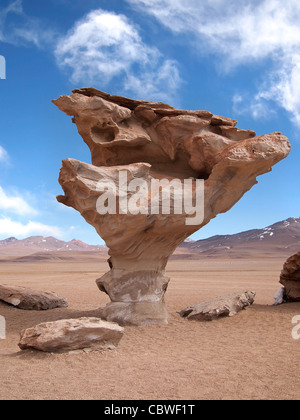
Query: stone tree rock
{"type": "Point", "coordinates": [72, 334]}
{"type": "Point", "coordinates": [290, 278]}
{"type": "Point", "coordinates": [29, 299]}
{"type": "Point", "coordinates": [142, 143]}
{"type": "Point", "coordinates": [219, 307]}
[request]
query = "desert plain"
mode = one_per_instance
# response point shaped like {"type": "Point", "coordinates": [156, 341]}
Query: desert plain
{"type": "Point", "coordinates": [249, 356]}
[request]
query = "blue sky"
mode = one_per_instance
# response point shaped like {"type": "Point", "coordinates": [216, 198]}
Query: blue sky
{"type": "Point", "coordinates": [236, 58]}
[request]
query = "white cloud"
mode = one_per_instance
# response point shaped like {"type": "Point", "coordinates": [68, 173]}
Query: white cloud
{"type": "Point", "coordinates": [148, 85]}
{"type": "Point", "coordinates": [3, 155]}
{"type": "Point", "coordinates": [15, 204]}
{"type": "Point", "coordinates": [9, 227]}
{"type": "Point", "coordinates": [104, 46]}
{"type": "Point", "coordinates": [258, 107]}
{"type": "Point", "coordinates": [242, 32]}
{"type": "Point", "coordinates": [20, 225]}
{"type": "Point", "coordinates": [13, 7]}
{"type": "Point", "coordinates": [29, 30]}
{"type": "Point", "coordinates": [284, 87]}
{"type": "Point", "coordinates": [257, 28]}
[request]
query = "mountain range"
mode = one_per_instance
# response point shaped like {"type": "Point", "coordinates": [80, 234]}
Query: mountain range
{"type": "Point", "coordinates": [34, 244]}
{"type": "Point", "coordinates": [279, 239]}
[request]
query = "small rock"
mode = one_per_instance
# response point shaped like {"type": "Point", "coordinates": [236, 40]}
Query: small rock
{"type": "Point", "coordinates": [28, 299]}
{"type": "Point", "coordinates": [279, 297]}
{"type": "Point", "coordinates": [74, 352]}
{"type": "Point", "coordinates": [72, 334]}
{"type": "Point", "coordinates": [290, 278]}
{"type": "Point", "coordinates": [219, 307]}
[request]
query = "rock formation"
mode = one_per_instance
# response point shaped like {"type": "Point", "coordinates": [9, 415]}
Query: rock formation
{"type": "Point", "coordinates": [72, 334]}
{"type": "Point", "coordinates": [219, 307]}
{"type": "Point", "coordinates": [147, 142]}
{"type": "Point", "coordinates": [290, 278]}
{"type": "Point", "coordinates": [28, 299]}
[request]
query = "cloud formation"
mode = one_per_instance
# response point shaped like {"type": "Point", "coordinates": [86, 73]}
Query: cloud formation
{"type": "Point", "coordinates": [104, 46]}
{"type": "Point", "coordinates": [29, 31]}
{"type": "Point", "coordinates": [3, 155]}
{"type": "Point", "coordinates": [9, 227]}
{"type": "Point", "coordinates": [15, 204]}
{"type": "Point", "coordinates": [242, 33]}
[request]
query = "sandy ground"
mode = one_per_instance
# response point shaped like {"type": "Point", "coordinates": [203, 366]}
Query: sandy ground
{"type": "Point", "coordinates": [249, 356]}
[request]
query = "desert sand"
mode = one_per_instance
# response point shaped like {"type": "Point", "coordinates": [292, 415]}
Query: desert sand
{"type": "Point", "coordinates": [249, 356]}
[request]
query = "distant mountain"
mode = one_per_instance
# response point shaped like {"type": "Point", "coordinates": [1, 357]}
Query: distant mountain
{"type": "Point", "coordinates": [38, 244]}
{"type": "Point", "coordinates": [280, 238]}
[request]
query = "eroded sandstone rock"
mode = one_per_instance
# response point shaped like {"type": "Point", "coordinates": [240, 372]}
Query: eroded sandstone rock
{"type": "Point", "coordinates": [72, 334]}
{"type": "Point", "coordinates": [290, 278]}
{"type": "Point", "coordinates": [219, 307]}
{"type": "Point", "coordinates": [28, 299]}
{"type": "Point", "coordinates": [154, 141]}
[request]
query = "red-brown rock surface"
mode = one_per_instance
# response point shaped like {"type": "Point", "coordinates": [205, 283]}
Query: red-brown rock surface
{"type": "Point", "coordinates": [154, 141]}
{"type": "Point", "coordinates": [28, 299]}
{"type": "Point", "coordinates": [290, 278]}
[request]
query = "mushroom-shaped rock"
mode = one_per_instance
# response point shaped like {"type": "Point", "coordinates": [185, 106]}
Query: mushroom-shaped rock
{"type": "Point", "coordinates": [158, 174]}
{"type": "Point", "coordinates": [290, 278]}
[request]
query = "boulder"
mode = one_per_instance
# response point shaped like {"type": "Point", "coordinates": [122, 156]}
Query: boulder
{"type": "Point", "coordinates": [72, 334]}
{"type": "Point", "coordinates": [290, 278]}
{"type": "Point", "coordinates": [28, 299]}
{"type": "Point", "coordinates": [228, 305]}
{"type": "Point", "coordinates": [134, 146]}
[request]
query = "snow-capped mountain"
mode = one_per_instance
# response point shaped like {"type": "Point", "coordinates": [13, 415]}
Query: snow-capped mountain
{"type": "Point", "coordinates": [281, 237]}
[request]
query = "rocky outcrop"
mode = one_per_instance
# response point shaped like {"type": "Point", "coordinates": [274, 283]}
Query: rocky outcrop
{"type": "Point", "coordinates": [290, 278]}
{"type": "Point", "coordinates": [72, 334]}
{"type": "Point", "coordinates": [219, 307]}
{"type": "Point", "coordinates": [28, 299]}
{"type": "Point", "coordinates": [140, 144]}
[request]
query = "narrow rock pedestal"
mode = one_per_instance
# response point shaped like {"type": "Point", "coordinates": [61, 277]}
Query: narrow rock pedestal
{"type": "Point", "coordinates": [137, 296]}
